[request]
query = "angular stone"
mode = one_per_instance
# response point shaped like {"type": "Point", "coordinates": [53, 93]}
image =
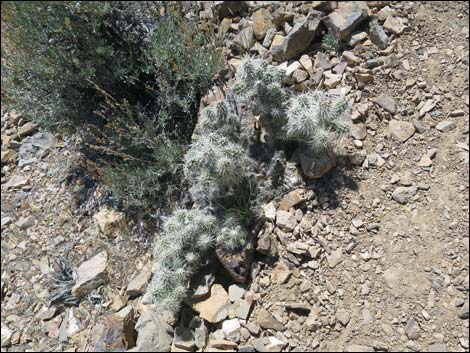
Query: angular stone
{"type": "Point", "coordinates": [267, 321]}
{"type": "Point", "coordinates": [262, 22]}
{"type": "Point", "coordinates": [8, 156]}
{"type": "Point", "coordinates": [387, 103]}
{"type": "Point", "coordinates": [357, 38]}
{"type": "Point", "coordinates": [425, 161]}
{"type": "Point", "coordinates": [346, 18]}
{"type": "Point", "coordinates": [281, 273]}
{"type": "Point", "coordinates": [17, 181]}
{"type": "Point", "coordinates": [446, 126]}
{"type": "Point", "coordinates": [404, 194]}
{"type": "Point", "coordinates": [275, 344]}
{"type": "Point", "coordinates": [91, 274]}
{"type": "Point", "coordinates": [437, 347]}
{"type": "Point", "coordinates": [394, 25]}
{"type": "Point", "coordinates": [138, 284]}
{"type": "Point", "coordinates": [331, 80]}
{"type": "Point", "coordinates": [25, 223]}
{"type": "Point", "coordinates": [412, 329]}
{"type": "Point", "coordinates": [343, 317]}
{"type": "Point", "coordinates": [291, 199]}
{"type": "Point", "coordinates": [270, 211]}
{"type": "Point", "coordinates": [26, 129]}
{"type": "Point", "coordinates": [108, 220]}
{"type": "Point", "coordinates": [114, 333]}
{"type": "Point", "coordinates": [464, 313]}
{"type": "Point", "coordinates": [335, 258]}
{"type": "Point", "coordinates": [298, 39]}
{"type": "Point", "coordinates": [6, 334]}
{"type": "Point", "coordinates": [285, 221]}
{"type": "Point", "coordinates": [350, 57]}
{"type": "Point", "coordinates": [214, 308]}
{"type": "Point", "coordinates": [300, 75]}
{"type": "Point", "coordinates": [322, 61]}
{"type": "Point", "coordinates": [378, 36]}
{"type": "Point", "coordinates": [223, 345]}
{"type": "Point", "coordinates": [307, 64]}
{"type": "Point", "coordinates": [245, 39]}
{"type": "Point", "coordinates": [359, 131]}
{"type": "Point", "coordinates": [243, 310]}
{"type": "Point", "coordinates": [154, 334]}
{"type": "Point", "coordinates": [401, 130]}
{"type": "Point", "coordinates": [236, 292]}
{"type": "Point", "coordinates": [315, 166]}
{"type": "Point", "coordinates": [231, 327]}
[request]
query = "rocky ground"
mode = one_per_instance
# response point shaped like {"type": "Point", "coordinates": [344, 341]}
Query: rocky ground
{"type": "Point", "coordinates": [373, 256]}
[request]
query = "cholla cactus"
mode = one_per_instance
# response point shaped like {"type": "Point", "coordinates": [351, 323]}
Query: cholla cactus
{"type": "Point", "coordinates": [231, 234]}
{"type": "Point", "coordinates": [222, 119]}
{"type": "Point", "coordinates": [318, 119]}
{"type": "Point", "coordinates": [187, 238]}
{"type": "Point", "coordinates": [259, 86]}
{"type": "Point", "coordinates": [215, 162]}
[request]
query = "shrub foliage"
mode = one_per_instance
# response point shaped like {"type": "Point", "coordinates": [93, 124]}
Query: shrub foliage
{"type": "Point", "coordinates": [125, 74]}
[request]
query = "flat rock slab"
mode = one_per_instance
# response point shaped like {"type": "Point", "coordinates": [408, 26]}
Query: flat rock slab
{"type": "Point", "coordinates": [215, 307]}
{"type": "Point", "coordinates": [267, 321]}
{"type": "Point", "coordinates": [347, 17]}
{"type": "Point", "coordinates": [91, 274]}
{"type": "Point", "coordinates": [401, 130]}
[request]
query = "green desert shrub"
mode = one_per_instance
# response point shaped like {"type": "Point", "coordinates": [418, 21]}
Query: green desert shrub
{"type": "Point", "coordinates": [119, 72]}
{"type": "Point", "coordinates": [317, 119]}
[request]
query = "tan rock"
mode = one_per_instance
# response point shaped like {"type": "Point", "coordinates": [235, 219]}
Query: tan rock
{"type": "Point", "coordinates": [108, 220]}
{"type": "Point", "coordinates": [214, 308]}
{"type": "Point", "coordinates": [262, 21]}
{"type": "Point", "coordinates": [17, 181]}
{"type": "Point", "coordinates": [291, 199]}
{"type": "Point", "coordinates": [8, 156]}
{"type": "Point", "coordinates": [267, 321]}
{"type": "Point", "coordinates": [26, 129]}
{"type": "Point", "coordinates": [91, 274]}
{"type": "Point", "coordinates": [281, 273]}
{"type": "Point", "coordinates": [138, 283]}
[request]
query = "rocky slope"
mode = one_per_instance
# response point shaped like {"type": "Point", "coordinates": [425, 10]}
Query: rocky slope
{"type": "Point", "coordinates": [373, 256]}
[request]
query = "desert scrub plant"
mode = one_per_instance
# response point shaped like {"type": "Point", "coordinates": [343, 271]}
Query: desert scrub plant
{"type": "Point", "coordinates": [317, 119]}
{"type": "Point", "coordinates": [259, 87]}
{"type": "Point", "coordinates": [122, 74]}
{"type": "Point", "coordinates": [331, 43]}
{"type": "Point", "coordinates": [183, 247]}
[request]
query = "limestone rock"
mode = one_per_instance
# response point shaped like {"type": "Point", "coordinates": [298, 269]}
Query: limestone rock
{"type": "Point", "coordinates": [298, 39]}
{"type": "Point", "coordinates": [262, 22]}
{"type": "Point", "coordinates": [285, 221]}
{"type": "Point", "coordinates": [404, 194]}
{"type": "Point", "coordinates": [154, 334]}
{"type": "Point", "coordinates": [347, 17]}
{"type": "Point", "coordinates": [394, 25]}
{"type": "Point", "coordinates": [401, 130]}
{"type": "Point", "coordinates": [215, 307]}
{"type": "Point", "coordinates": [446, 126]}
{"type": "Point", "coordinates": [267, 321]}
{"type": "Point", "coordinates": [138, 283]}
{"type": "Point", "coordinates": [91, 274]}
